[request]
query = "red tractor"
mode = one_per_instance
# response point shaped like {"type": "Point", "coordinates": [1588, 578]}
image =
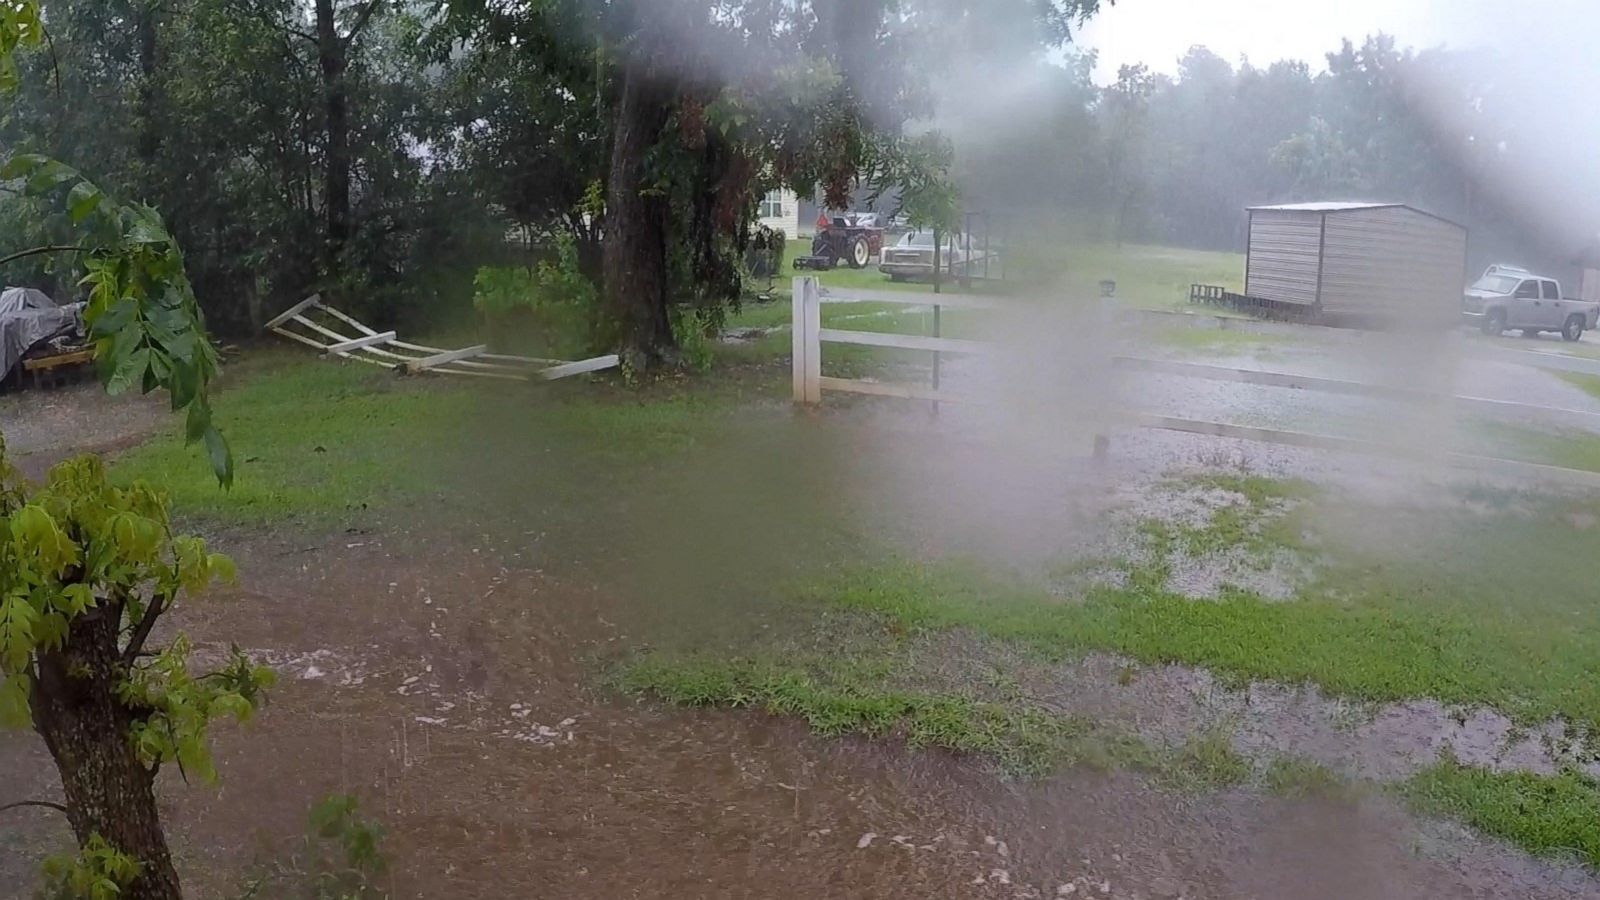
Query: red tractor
{"type": "Point", "coordinates": [853, 239]}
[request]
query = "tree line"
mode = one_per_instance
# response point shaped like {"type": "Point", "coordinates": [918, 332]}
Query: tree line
{"type": "Point", "coordinates": [1175, 159]}
{"type": "Point", "coordinates": [380, 151]}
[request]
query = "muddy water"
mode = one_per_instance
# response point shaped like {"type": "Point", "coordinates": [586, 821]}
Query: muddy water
{"type": "Point", "coordinates": [461, 707]}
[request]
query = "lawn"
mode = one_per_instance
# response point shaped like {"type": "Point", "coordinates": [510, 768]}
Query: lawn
{"type": "Point", "coordinates": [1488, 601]}
{"type": "Point", "coordinates": [1147, 276]}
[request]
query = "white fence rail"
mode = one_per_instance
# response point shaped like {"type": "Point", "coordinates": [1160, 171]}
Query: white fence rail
{"type": "Point", "coordinates": [809, 383]}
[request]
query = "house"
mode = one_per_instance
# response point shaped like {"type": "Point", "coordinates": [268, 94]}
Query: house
{"type": "Point", "coordinates": [780, 209]}
{"type": "Point", "coordinates": [1357, 261]}
{"type": "Point", "coordinates": [797, 215]}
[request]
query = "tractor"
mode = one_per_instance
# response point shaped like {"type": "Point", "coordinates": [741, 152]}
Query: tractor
{"type": "Point", "coordinates": [854, 240]}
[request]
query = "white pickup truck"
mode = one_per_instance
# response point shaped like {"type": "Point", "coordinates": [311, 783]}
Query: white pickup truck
{"type": "Point", "coordinates": [1510, 299]}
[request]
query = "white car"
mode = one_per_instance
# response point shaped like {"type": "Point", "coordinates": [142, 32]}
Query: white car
{"type": "Point", "coordinates": [911, 258]}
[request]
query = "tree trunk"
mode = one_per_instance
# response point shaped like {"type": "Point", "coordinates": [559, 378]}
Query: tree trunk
{"type": "Point", "coordinates": [635, 258]}
{"type": "Point", "coordinates": [336, 116]}
{"type": "Point", "coordinates": [109, 792]}
{"type": "Point", "coordinates": [148, 142]}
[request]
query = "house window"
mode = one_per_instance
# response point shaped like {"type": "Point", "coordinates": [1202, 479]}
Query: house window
{"type": "Point", "coordinates": [772, 205]}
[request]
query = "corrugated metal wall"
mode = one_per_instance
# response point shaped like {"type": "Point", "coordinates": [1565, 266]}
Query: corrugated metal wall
{"type": "Point", "coordinates": [1282, 265]}
{"type": "Point", "coordinates": [1392, 261]}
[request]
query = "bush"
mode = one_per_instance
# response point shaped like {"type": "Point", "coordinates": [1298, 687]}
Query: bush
{"type": "Point", "coordinates": [556, 302]}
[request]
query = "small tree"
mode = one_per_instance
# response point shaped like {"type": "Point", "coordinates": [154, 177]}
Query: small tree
{"type": "Point", "coordinates": [87, 569]}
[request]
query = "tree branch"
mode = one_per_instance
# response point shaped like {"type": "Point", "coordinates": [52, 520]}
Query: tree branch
{"type": "Point", "coordinates": [38, 251]}
{"type": "Point", "coordinates": [141, 632]}
{"type": "Point", "coordinates": [306, 35]}
{"type": "Point", "coordinates": [42, 804]}
{"type": "Point", "coordinates": [361, 21]}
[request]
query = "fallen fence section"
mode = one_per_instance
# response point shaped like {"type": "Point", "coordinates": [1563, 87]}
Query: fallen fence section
{"type": "Point", "coordinates": [809, 383]}
{"type": "Point", "coordinates": [300, 323]}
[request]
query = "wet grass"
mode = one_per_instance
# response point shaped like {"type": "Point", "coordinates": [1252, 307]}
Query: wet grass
{"type": "Point", "coordinates": [1551, 815]}
{"type": "Point", "coordinates": [851, 694]}
{"type": "Point", "coordinates": [1568, 448]}
{"type": "Point", "coordinates": [1589, 384]}
{"type": "Point", "coordinates": [1019, 739]}
{"type": "Point", "coordinates": [1291, 777]}
{"type": "Point", "coordinates": [1268, 516]}
{"type": "Point", "coordinates": [323, 441]}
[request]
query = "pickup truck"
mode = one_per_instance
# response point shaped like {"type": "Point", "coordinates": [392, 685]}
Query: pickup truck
{"type": "Point", "coordinates": [1513, 299]}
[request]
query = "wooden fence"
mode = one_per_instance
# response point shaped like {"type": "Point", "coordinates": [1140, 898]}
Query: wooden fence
{"type": "Point", "coordinates": [809, 384]}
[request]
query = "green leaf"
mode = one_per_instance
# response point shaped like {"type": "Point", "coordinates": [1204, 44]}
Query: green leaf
{"type": "Point", "coordinates": [14, 691]}
{"type": "Point", "coordinates": [83, 200]}
{"type": "Point", "coordinates": [221, 457]}
{"type": "Point", "coordinates": [129, 371]}
{"type": "Point", "coordinates": [49, 176]}
{"type": "Point", "coordinates": [222, 568]}
{"type": "Point", "coordinates": [197, 423]}
{"type": "Point", "coordinates": [114, 319]}
{"type": "Point", "coordinates": [21, 166]}
{"type": "Point", "coordinates": [75, 599]}
{"type": "Point", "coordinates": [16, 632]}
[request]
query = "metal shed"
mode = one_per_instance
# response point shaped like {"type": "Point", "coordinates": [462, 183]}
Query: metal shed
{"type": "Point", "coordinates": [1357, 260]}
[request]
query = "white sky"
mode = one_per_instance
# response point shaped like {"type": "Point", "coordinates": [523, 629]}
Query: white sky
{"type": "Point", "coordinates": [1157, 32]}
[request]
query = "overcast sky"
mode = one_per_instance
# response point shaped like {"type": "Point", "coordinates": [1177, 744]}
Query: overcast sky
{"type": "Point", "coordinates": [1157, 32]}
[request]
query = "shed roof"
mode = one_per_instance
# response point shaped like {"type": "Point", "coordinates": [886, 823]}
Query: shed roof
{"type": "Point", "coordinates": [1327, 206]}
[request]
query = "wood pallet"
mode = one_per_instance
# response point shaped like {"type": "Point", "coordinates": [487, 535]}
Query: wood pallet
{"type": "Point", "coordinates": [315, 324]}
{"type": "Point", "coordinates": [58, 370]}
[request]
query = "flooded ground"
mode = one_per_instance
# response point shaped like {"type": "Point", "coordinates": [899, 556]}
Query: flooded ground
{"type": "Point", "coordinates": [457, 679]}
{"type": "Point", "coordinates": [463, 707]}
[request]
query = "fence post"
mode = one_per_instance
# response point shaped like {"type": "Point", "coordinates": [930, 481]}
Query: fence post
{"type": "Point", "coordinates": [797, 334]}
{"type": "Point", "coordinates": [806, 324]}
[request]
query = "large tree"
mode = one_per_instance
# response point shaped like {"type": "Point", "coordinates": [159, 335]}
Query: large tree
{"type": "Point", "coordinates": [712, 104]}
{"type": "Point", "coordinates": [88, 569]}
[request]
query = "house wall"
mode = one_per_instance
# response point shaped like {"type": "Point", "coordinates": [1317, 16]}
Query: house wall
{"type": "Point", "coordinates": [788, 218]}
{"type": "Point", "coordinates": [1283, 257]}
{"type": "Point", "coordinates": [1392, 261]}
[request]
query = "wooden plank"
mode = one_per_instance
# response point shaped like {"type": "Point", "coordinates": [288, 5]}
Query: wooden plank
{"type": "Point", "coordinates": [448, 356]}
{"type": "Point", "coordinates": [359, 343]}
{"type": "Point", "coordinates": [880, 389]}
{"type": "Point", "coordinates": [295, 310]}
{"type": "Point", "coordinates": [301, 338]}
{"type": "Point", "coordinates": [348, 320]}
{"type": "Point", "coordinates": [501, 357]}
{"type": "Point", "coordinates": [45, 363]}
{"type": "Point", "coordinates": [903, 341]}
{"type": "Point", "coordinates": [579, 368]}
{"type": "Point", "coordinates": [909, 298]}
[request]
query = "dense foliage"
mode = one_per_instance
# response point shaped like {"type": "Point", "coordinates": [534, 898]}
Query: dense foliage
{"type": "Point", "coordinates": [382, 152]}
{"type": "Point", "coordinates": [1175, 159]}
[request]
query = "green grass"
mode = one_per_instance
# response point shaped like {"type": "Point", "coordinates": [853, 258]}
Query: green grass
{"type": "Point", "coordinates": [1147, 276]}
{"type": "Point", "coordinates": [324, 441]}
{"type": "Point", "coordinates": [855, 695]}
{"type": "Point", "coordinates": [1206, 762]}
{"type": "Point", "coordinates": [1291, 777]}
{"type": "Point", "coordinates": [1522, 639]}
{"type": "Point", "coordinates": [1549, 815]}
{"type": "Point", "coordinates": [308, 437]}
{"type": "Point", "coordinates": [1589, 384]}
{"type": "Point", "coordinates": [1268, 516]}
{"type": "Point", "coordinates": [1020, 740]}
{"type": "Point", "coordinates": [1567, 448]}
